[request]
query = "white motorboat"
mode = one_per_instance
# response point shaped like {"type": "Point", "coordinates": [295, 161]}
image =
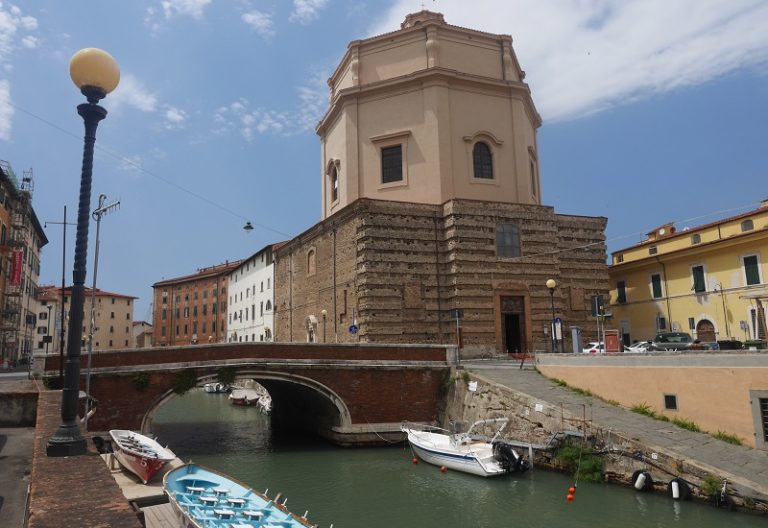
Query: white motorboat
{"type": "Point", "coordinates": [139, 454]}
{"type": "Point", "coordinates": [466, 451]}
{"type": "Point", "coordinates": [213, 388]}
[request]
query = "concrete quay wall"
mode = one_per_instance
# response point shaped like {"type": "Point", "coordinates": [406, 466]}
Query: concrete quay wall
{"type": "Point", "coordinates": [538, 408]}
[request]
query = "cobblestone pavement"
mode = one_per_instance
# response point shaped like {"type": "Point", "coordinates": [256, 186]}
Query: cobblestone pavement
{"type": "Point", "coordinates": [742, 462]}
{"type": "Point", "coordinates": [16, 456]}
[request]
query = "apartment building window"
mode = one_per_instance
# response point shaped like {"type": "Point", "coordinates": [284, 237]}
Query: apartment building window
{"type": "Point", "coordinates": [177, 330]}
{"type": "Point", "coordinates": [699, 282]}
{"type": "Point", "coordinates": [186, 312]}
{"type": "Point", "coordinates": [111, 329]}
{"type": "Point", "coordinates": [621, 292]}
{"type": "Point", "coordinates": [311, 262]}
{"type": "Point", "coordinates": [334, 177]}
{"type": "Point", "coordinates": [656, 286]}
{"type": "Point", "coordinates": [661, 322]}
{"type": "Point", "coordinates": [126, 342]}
{"type": "Point", "coordinates": [392, 164]}
{"type": "Point", "coordinates": [205, 309]}
{"type": "Point", "coordinates": [262, 285]}
{"type": "Point", "coordinates": [113, 300]}
{"type": "Point", "coordinates": [177, 313]}
{"type": "Point", "coordinates": [110, 343]}
{"type": "Point", "coordinates": [695, 239]}
{"type": "Point", "coordinates": [112, 315]}
{"type": "Point", "coordinates": [213, 308]}
{"type": "Point", "coordinates": [653, 250]}
{"type": "Point", "coordinates": [619, 259]}
{"type": "Point", "coordinates": [483, 162]}
{"type": "Point", "coordinates": [268, 283]}
{"type": "Point", "coordinates": [747, 225]}
{"type": "Point", "coordinates": [752, 270]}
{"type": "Point", "coordinates": [204, 326]}
{"type": "Point", "coordinates": [691, 323]}
{"type": "Point", "coordinates": [205, 294]}
{"type": "Point", "coordinates": [269, 306]}
{"type": "Point", "coordinates": [508, 240]}
{"type": "Point", "coordinates": [253, 312]}
{"type": "Point", "coordinates": [213, 326]}
{"type": "Point", "coordinates": [670, 402]}
{"type": "Point", "coordinates": [261, 308]}
{"type": "Point", "coordinates": [186, 329]}
{"type": "Point", "coordinates": [127, 316]}
{"type": "Point", "coordinates": [194, 311]}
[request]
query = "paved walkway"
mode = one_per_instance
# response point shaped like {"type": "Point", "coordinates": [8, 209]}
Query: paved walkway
{"type": "Point", "coordinates": [747, 464]}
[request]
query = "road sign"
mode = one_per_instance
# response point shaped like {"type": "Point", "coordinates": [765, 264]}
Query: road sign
{"type": "Point", "coordinates": [353, 329]}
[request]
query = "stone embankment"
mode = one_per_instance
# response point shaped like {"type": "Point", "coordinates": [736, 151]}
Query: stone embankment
{"type": "Point", "coordinates": [628, 442]}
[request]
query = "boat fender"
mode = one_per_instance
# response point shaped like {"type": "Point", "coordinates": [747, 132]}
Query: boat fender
{"type": "Point", "coordinates": [679, 489]}
{"type": "Point", "coordinates": [642, 480]}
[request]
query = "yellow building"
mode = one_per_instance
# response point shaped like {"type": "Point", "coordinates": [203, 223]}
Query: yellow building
{"type": "Point", "coordinates": [708, 281]}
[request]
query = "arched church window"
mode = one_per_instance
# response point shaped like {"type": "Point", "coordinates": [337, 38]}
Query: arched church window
{"type": "Point", "coordinates": [311, 262]}
{"type": "Point", "coordinates": [482, 160]}
{"type": "Point", "coordinates": [334, 181]}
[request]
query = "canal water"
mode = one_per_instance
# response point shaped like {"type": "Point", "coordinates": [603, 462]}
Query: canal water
{"type": "Point", "coordinates": [381, 488]}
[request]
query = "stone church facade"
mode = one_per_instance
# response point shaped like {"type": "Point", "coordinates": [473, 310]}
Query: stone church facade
{"type": "Point", "coordinates": [431, 202]}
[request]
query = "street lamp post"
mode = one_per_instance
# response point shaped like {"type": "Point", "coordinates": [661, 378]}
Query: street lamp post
{"type": "Point", "coordinates": [96, 73]}
{"type": "Point", "coordinates": [324, 313]}
{"type": "Point", "coordinates": [551, 284]}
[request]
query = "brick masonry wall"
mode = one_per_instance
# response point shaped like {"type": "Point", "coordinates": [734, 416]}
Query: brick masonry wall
{"type": "Point", "coordinates": [404, 266]}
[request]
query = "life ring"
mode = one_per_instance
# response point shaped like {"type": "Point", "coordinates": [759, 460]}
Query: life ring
{"type": "Point", "coordinates": [679, 489]}
{"type": "Point", "coordinates": [642, 481]}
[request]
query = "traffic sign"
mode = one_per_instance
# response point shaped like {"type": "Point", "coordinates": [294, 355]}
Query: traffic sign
{"type": "Point", "coordinates": [353, 329]}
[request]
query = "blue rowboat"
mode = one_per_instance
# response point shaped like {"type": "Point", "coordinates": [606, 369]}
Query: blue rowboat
{"type": "Point", "coordinates": [205, 498]}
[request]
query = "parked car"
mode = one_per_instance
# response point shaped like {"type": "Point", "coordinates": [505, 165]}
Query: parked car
{"type": "Point", "coordinates": [730, 344]}
{"type": "Point", "coordinates": [638, 347]}
{"type": "Point", "coordinates": [671, 341]}
{"type": "Point", "coordinates": [594, 347]}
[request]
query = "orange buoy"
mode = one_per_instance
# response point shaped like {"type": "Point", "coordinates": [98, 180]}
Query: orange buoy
{"type": "Point", "coordinates": [414, 460]}
{"type": "Point", "coordinates": [443, 469]}
{"type": "Point", "coordinates": [572, 490]}
{"type": "Point", "coordinates": [569, 497]}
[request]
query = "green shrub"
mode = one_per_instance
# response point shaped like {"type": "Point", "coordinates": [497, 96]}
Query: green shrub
{"type": "Point", "coordinates": [643, 408]}
{"type": "Point", "coordinates": [726, 437]}
{"type": "Point", "coordinates": [140, 380]}
{"type": "Point", "coordinates": [581, 461]}
{"type": "Point", "coordinates": [686, 424]}
{"type": "Point", "coordinates": [558, 381]}
{"type": "Point", "coordinates": [183, 381]}
{"type": "Point", "coordinates": [583, 392]}
{"type": "Point", "coordinates": [612, 402]}
{"type": "Point", "coordinates": [711, 485]}
{"type": "Point", "coordinates": [465, 377]}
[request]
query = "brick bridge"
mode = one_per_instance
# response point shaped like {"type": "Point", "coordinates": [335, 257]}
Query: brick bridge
{"type": "Point", "coordinates": [349, 394]}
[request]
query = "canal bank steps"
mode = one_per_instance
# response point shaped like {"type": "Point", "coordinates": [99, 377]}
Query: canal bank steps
{"type": "Point", "coordinates": [678, 452]}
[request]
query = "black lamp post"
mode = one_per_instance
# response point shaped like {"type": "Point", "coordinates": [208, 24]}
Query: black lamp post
{"type": "Point", "coordinates": [96, 73]}
{"type": "Point", "coordinates": [551, 284]}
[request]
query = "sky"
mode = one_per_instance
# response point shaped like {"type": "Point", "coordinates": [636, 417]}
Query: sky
{"type": "Point", "coordinates": [653, 111]}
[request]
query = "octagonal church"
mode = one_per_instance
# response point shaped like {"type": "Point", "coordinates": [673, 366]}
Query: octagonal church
{"type": "Point", "coordinates": [432, 207]}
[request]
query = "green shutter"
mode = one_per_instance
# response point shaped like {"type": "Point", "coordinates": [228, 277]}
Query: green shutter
{"type": "Point", "coordinates": [751, 270]}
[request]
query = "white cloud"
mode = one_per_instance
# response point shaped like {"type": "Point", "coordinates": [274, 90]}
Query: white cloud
{"type": "Point", "coordinates": [305, 11]}
{"type": "Point", "coordinates": [193, 8]}
{"type": "Point", "coordinates": [585, 56]}
{"type": "Point", "coordinates": [260, 22]}
{"type": "Point", "coordinates": [6, 110]}
{"type": "Point", "coordinates": [175, 118]}
{"type": "Point", "coordinates": [29, 41]}
{"type": "Point", "coordinates": [131, 92]}
{"type": "Point", "coordinates": [12, 22]}
{"type": "Point", "coordinates": [249, 122]}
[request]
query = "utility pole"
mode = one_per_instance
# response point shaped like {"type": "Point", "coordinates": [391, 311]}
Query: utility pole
{"type": "Point", "coordinates": [63, 310]}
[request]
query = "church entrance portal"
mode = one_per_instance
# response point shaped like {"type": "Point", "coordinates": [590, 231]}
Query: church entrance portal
{"type": "Point", "coordinates": [513, 321]}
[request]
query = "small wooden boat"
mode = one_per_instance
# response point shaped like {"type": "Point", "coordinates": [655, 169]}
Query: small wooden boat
{"type": "Point", "coordinates": [466, 451]}
{"type": "Point", "coordinates": [204, 498]}
{"type": "Point", "coordinates": [139, 454]}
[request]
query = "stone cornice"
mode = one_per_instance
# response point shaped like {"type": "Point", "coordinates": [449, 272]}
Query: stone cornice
{"type": "Point", "coordinates": [419, 78]}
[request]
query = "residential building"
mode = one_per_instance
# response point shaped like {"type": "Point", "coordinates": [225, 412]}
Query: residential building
{"type": "Point", "coordinates": [192, 309]}
{"type": "Point", "coordinates": [142, 334]}
{"type": "Point", "coordinates": [709, 280]}
{"type": "Point", "coordinates": [250, 313]}
{"type": "Point", "coordinates": [113, 317]}
{"type": "Point", "coordinates": [433, 228]}
{"type": "Point", "coordinates": [21, 241]}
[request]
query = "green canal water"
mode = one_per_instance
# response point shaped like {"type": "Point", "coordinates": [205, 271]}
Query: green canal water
{"type": "Point", "coordinates": [381, 488]}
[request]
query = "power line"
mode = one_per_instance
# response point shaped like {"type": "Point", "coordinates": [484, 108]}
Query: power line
{"type": "Point", "coordinates": [139, 167]}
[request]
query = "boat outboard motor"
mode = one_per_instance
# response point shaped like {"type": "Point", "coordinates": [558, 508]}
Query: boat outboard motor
{"type": "Point", "coordinates": [506, 457]}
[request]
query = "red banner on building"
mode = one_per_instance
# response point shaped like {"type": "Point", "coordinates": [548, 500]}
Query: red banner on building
{"type": "Point", "coordinates": [17, 265]}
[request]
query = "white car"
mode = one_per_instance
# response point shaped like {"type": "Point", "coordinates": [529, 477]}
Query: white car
{"type": "Point", "coordinates": [640, 347]}
{"type": "Point", "coordinates": [594, 347]}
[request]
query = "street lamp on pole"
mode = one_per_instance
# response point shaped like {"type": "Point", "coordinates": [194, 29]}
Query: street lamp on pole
{"type": "Point", "coordinates": [551, 284]}
{"type": "Point", "coordinates": [96, 74]}
{"type": "Point", "coordinates": [324, 313]}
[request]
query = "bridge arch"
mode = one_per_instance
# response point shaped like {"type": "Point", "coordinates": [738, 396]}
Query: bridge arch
{"type": "Point", "coordinates": [328, 410]}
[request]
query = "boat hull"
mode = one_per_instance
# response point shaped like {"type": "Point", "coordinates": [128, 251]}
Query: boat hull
{"type": "Point", "coordinates": [466, 463]}
{"type": "Point", "coordinates": [139, 454]}
{"type": "Point", "coordinates": [204, 498]}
